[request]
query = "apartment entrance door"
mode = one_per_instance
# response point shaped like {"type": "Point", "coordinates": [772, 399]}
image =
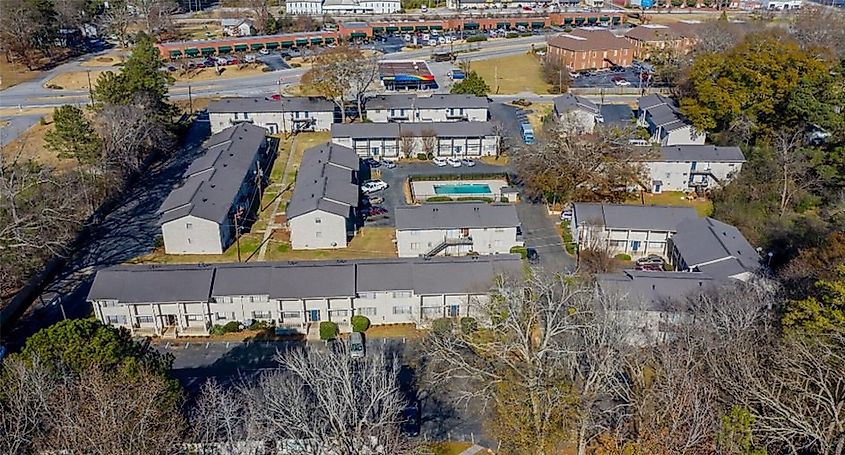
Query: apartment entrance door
{"type": "Point", "coordinates": [315, 315]}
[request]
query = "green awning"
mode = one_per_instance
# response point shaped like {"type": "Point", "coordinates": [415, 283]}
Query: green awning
{"type": "Point", "coordinates": [224, 49]}
{"type": "Point", "coordinates": [287, 43]}
{"type": "Point", "coordinates": [358, 35]}
{"type": "Point", "coordinates": [567, 20]}
{"type": "Point", "coordinates": [579, 20]}
{"type": "Point", "coordinates": [302, 41]}
{"type": "Point", "coordinates": [471, 25]}
{"type": "Point", "coordinates": [421, 28]}
{"type": "Point", "coordinates": [407, 28]}
{"type": "Point", "coordinates": [604, 18]}
{"type": "Point", "coordinates": [617, 19]}
{"type": "Point", "coordinates": [592, 20]}
{"type": "Point", "coordinates": [503, 25]}
{"type": "Point", "coordinates": [208, 50]}
{"type": "Point", "coordinates": [256, 46]}
{"type": "Point", "coordinates": [524, 24]}
{"type": "Point", "coordinates": [436, 27]}
{"type": "Point", "coordinates": [538, 24]}
{"type": "Point", "coordinates": [317, 40]}
{"type": "Point", "coordinates": [392, 29]}
{"type": "Point", "coordinates": [241, 47]}
{"type": "Point", "coordinates": [175, 53]}
{"type": "Point", "coordinates": [329, 40]}
{"type": "Point", "coordinates": [271, 45]}
{"type": "Point", "coordinates": [191, 51]}
{"type": "Point", "coordinates": [378, 29]}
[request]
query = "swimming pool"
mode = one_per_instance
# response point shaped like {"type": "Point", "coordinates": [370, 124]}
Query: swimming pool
{"type": "Point", "coordinates": [463, 189]}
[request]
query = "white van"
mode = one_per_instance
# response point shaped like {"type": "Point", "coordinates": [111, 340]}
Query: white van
{"type": "Point", "coordinates": [357, 348]}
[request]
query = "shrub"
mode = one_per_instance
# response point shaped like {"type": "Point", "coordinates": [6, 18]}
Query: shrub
{"type": "Point", "coordinates": [476, 38]}
{"type": "Point", "coordinates": [468, 325]}
{"type": "Point", "coordinates": [623, 257]}
{"type": "Point", "coordinates": [421, 156]}
{"type": "Point", "coordinates": [439, 199]}
{"type": "Point", "coordinates": [475, 198]}
{"type": "Point", "coordinates": [158, 242]}
{"type": "Point", "coordinates": [504, 199]}
{"type": "Point", "coordinates": [520, 250]}
{"type": "Point", "coordinates": [512, 35]}
{"type": "Point", "coordinates": [259, 325]}
{"type": "Point", "coordinates": [295, 65]}
{"type": "Point", "coordinates": [442, 326]}
{"type": "Point", "coordinates": [232, 326]}
{"type": "Point", "coordinates": [217, 330]}
{"type": "Point", "coordinates": [328, 330]}
{"type": "Point", "coordinates": [360, 323]}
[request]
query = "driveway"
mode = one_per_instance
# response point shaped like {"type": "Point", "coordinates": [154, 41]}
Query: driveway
{"type": "Point", "coordinates": [539, 232]}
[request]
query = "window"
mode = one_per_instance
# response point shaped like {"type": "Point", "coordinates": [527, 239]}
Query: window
{"type": "Point", "coordinates": [402, 310]}
{"type": "Point", "coordinates": [261, 315]}
{"type": "Point", "coordinates": [367, 295]}
{"type": "Point", "coordinates": [339, 313]}
{"type": "Point", "coordinates": [145, 319]}
{"type": "Point", "coordinates": [318, 235]}
{"type": "Point", "coordinates": [415, 245]}
{"type": "Point", "coordinates": [401, 294]}
{"type": "Point", "coordinates": [221, 316]}
{"type": "Point", "coordinates": [432, 311]}
{"type": "Point", "coordinates": [366, 311]}
{"type": "Point", "coordinates": [189, 226]}
{"type": "Point", "coordinates": [246, 115]}
{"type": "Point", "coordinates": [499, 230]}
{"type": "Point", "coordinates": [291, 315]}
{"type": "Point", "coordinates": [116, 319]}
{"type": "Point", "coordinates": [415, 233]}
{"type": "Point", "coordinates": [194, 317]}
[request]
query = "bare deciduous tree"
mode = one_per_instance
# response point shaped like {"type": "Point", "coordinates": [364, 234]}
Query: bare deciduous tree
{"type": "Point", "coordinates": [116, 21]}
{"type": "Point", "coordinates": [793, 164]}
{"type": "Point", "coordinates": [157, 15]}
{"type": "Point", "coordinates": [129, 133]}
{"type": "Point", "coordinates": [219, 419]}
{"type": "Point", "coordinates": [406, 144]}
{"type": "Point", "coordinates": [429, 141]}
{"type": "Point", "coordinates": [27, 391]}
{"type": "Point", "coordinates": [333, 73]}
{"type": "Point", "coordinates": [327, 402]}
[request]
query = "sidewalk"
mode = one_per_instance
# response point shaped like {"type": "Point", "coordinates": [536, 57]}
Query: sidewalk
{"type": "Point", "coordinates": [475, 449]}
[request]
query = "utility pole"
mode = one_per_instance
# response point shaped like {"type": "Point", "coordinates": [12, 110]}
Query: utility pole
{"type": "Point", "coordinates": [282, 108]}
{"type": "Point", "coordinates": [90, 89]}
{"type": "Point", "coordinates": [237, 218]}
{"type": "Point", "coordinates": [190, 100]}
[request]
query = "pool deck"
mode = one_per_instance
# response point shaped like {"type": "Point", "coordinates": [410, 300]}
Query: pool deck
{"type": "Point", "coordinates": [422, 190]}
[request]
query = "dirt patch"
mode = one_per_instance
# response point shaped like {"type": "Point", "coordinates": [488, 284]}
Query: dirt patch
{"type": "Point", "coordinates": [13, 74]}
{"type": "Point", "coordinates": [30, 145]}
{"type": "Point", "coordinates": [198, 104]}
{"type": "Point", "coordinates": [74, 80]}
{"type": "Point", "coordinates": [111, 59]}
{"type": "Point", "coordinates": [228, 72]}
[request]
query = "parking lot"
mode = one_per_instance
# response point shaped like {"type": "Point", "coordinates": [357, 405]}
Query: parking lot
{"type": "Point", "coordinates": [607, 79]}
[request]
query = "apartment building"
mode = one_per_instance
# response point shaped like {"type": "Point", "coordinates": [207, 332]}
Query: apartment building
{"type": "Point", "coordinates": [219, 190]}
{"type": "Point", "coordinates": [576, 113]}
{"type": "Point", "coordinates": [341, 7]}
{"type": "Point", "coordinates": [679, 37]}
{"type": "Point", "coordinates": [590, 48]}
{"type": "Point", "coordinates": [285, 114]}
{"type": "Point", "coordinates": [322, 211]}
{"type": "Point", "coordinates": [691, 167]}
{"type": "Point", "coordinates": [402, 140]}
{"type": "Point", "coordinates": [714, 248]}
{"type": "Point", "coordinates": [187, 300]}
{"type": "Point", "coordinates": [665, 122]}
{"type": "Point", "coordinates": [456, 229]}
{"type": "Point", "coordinates": [635, 230]}
{"type": "Point", "coordinates": [433, 108]}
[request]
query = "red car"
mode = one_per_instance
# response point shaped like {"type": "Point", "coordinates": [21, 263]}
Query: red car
{"type": "Point", "coordinates": [276, 97]}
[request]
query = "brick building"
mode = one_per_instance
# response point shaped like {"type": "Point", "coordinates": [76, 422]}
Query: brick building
{"type": "Point", "coordinates": [590, 48]}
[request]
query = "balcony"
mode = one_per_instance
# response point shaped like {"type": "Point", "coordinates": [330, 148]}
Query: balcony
{"type": "Point", "coordinates": [237, 121]}
{"type": "Point", "coordinates": [446, 244]}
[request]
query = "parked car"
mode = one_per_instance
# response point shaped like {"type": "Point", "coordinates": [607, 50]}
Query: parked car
{"type": "Point", "coordinates": [357, 349]}
{"type": "Point", "coordinates": [371, 186]}
{"type": "Point", "coordinates": [439, 162]}
{"type": "Point", "coordinates": [566, 214]}
{"type": "Point", "coordinates": [468, 162]}
{"type": "Point", "coordinates": [390, 164]}
{"type": "Point", "coordinates": [454, 162]}
{"type": "Point", "coordinates": [372, 162]}
{"type": "Point", "coordinates": [651, 260]}
{"type": "Point", "coordinates": [263, 52]}
{"type": "Point", "coordinates": [621, 83]}
{"type": "Point", "coordinates": [375, 200]}
{"type": "Point", "coordinates": [376, 211]}
{"type": "Point", "coordinates": [532, 255]}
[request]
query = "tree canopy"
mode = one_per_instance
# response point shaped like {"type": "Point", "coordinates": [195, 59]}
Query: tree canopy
{"type": "Point", "coordinates": [473, 84]}
{"type": "Point", "coordinates": [141, 76]}
{"type": "Point", "coordinates": [73, 136]}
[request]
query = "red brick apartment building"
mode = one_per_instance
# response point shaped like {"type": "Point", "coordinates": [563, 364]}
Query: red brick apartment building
{"type": "Point", "coordinates": [680, 37]}
{"type": "Point", "coordinates": [590, 48]}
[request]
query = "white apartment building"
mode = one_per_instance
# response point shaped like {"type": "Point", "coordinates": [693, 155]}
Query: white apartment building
{"type": "Point", "coordinates": [285, 114]}
{"type": "Point", "coordinates": [576, 114]}
{"type": "Point", "coordinates": [322, 211]}
{"type": "Point", "coordinates": [663, 118]}
{"type": "Point", "coordinates": [402, 140]}
{"type": "Point", "coordinates": [635, 230]}
{"type": "Point", "coordinates": [304, 7]}
{"type": "Point", "coordinates": [433, 108]}
{"type": "Point", "coordinates": [690, 167]}
{"type": "Point", "coordinates": [188, 300]}
{"type": "Point", "coordinates": [218, 191]}
{"type": "Point", "coordinates": [715, 248]}
{"type": "Point", "coordinates": [341, 7]}
{"type": "Point", "coordinates": [456, 229]}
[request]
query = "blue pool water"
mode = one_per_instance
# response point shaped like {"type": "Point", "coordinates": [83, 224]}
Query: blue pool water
{"type": "Point", "coordinates": [463, 188]}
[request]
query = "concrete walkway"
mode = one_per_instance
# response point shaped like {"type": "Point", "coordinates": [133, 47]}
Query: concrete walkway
{"type": "Point", "coordinates": [271, 221]}
{"type": "Point", "coordinates": [475, 449]}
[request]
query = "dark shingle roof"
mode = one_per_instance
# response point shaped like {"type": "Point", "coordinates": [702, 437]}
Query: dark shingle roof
{"type": "Point", "coordinates": [617, 114]}
{"type": "Point", "coordinates": [638, 217]}
{"type": "Point", "coordinates": [707, 240]}
{"type": "Point", "coordinates": [212, 181]}
{"type": "Point", "coordinates": [588, 39]}
{"type": "Point", "coordinates": [567, 102]}
{"type": "Point", "coordinates": [653, 291]}
{"type": "Point", "coordinates": [395, 130]}
{"type": "Point", "coordinates": [456, 216]}
{"type": "Point", "coordinates": [261, 104]}
{"type": "Point", "coordinates": [306, 279]}
{"type": "Point", "coordinates": [436, 101]}
{"type": "Point", "coordinates": [707, 153]}
{"type": "Point", "coordinates": [323, 184]}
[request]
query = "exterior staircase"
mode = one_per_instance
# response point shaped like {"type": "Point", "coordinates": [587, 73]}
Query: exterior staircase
{"type": "Point", "coordinates": [446, 244]}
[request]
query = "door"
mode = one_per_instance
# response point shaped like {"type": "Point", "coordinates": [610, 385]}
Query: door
{"type": "Point", "coordinates": [454, 311]}
{"type": "Point", "coordinates": [657, 188]}
{"type": "Point", "coordinates": [315, 315]}
{"type": "Point", "coordinates": [635, 245]}
{"type": "Point", "coordinates": [170, 318]}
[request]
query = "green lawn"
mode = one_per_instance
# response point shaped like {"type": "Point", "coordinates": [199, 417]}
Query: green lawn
{"type": "Point", "coordinates": [512, 74]}
{"type": "Point", "coordinates": [704, 207]}
{"type": "Point", "coordinates": [369, 242]}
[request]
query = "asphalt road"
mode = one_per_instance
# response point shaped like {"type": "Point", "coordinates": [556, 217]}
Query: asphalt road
{"type": "Point", "coordinates": [16, 125]}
